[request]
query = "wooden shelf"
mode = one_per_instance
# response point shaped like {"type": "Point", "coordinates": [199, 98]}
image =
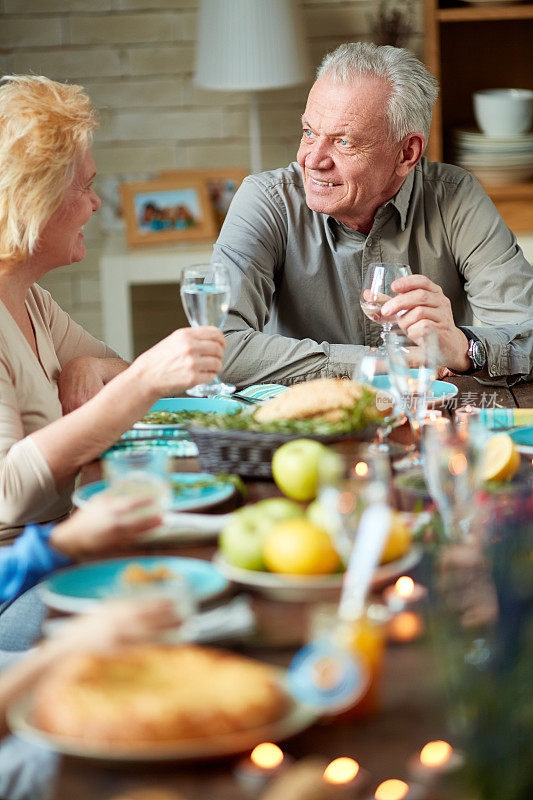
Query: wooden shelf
{"type": "Point", "coordinates": [485, 13]}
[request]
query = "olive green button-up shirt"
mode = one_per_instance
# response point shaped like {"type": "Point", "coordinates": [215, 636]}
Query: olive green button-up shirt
{"type": "Point", "coordinates": [296, 275]}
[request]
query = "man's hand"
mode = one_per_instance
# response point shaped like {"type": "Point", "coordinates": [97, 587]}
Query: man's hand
{"type": "Point", "coordinates": [426, 308]}
{"type": "Point", "coordinates": [106, 523]}
{"type": "Point", "coordinates": [83, 377]}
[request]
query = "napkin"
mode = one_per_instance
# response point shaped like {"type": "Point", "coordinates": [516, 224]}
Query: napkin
{"type": "Point", "coordinates": [174, 448]}
{"type": "Point", "coordinates": [259, 391]}
{"type": "Point", "coordinates": [506, 417]}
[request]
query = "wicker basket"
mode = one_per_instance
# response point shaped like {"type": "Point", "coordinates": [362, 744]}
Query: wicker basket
{"type": "Point", "coordinates": [249, 453]}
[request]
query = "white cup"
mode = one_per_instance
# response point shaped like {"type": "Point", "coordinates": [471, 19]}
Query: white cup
{"type": "Point", "coordinates": [503, 112]}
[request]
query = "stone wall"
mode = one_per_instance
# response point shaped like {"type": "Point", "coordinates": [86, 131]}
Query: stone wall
{"type": "Point", "coordinates": [135, 58]}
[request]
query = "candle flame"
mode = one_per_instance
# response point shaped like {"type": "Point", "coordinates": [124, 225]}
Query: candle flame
{"type": "Point", "coordinates": [457, 464]}
{"type": "Point", "coordinates": [434, 754]}
{"type": "Point", "coordinates": [361, 469]}
{"type": "Point", "coordinates": [391, 790]}
{"type": "Point", "coordinates": [405, 586]}
{"type": "Point", "coordinates": [468, 409]}
{"type": "Point", "coordinates": [341, 770]}
{"type": "Point", "coordinates": [267, 755]}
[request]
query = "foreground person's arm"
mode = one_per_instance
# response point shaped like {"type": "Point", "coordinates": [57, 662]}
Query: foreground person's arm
{"type": "Point", "coordinates": [83, 377]}
{"type": "Point", "coordinates": [114, 624]}
{"type": "Point", "coordinates": [185, 358]}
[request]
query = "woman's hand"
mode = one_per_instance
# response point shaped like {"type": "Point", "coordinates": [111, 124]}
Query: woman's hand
{"type": "Point", "coordinates": [186, 357]}
{"type": "Point", "coordinates": [104, 524]}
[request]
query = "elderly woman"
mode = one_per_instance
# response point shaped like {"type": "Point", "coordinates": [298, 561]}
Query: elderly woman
{"type": "Point", "coordinates": [48, 363]}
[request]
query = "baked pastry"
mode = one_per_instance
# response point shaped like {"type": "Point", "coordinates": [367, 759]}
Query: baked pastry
{"type": "Point", "coordinates": [324, 398]}
{"type": "Point", "coordinates": [156, 693]}
{"type": "Point", "coordinates": [135, 574]}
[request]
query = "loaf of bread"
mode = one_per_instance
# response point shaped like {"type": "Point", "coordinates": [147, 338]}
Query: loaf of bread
{"type": "Point", "coordinates": [155, 693]}
{"type": "Point", "coordinates": [324, 398]}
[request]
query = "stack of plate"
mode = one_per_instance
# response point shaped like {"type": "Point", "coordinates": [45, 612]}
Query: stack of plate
{"type": "Point", "coordinates": [495, 159]}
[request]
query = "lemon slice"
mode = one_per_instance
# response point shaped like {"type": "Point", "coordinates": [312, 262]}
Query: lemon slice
{"type": "Point", "coordinates": [501, 459]}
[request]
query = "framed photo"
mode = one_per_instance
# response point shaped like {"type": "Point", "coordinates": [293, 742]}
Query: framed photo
{"type": "Point", "coordinates": [221, 184]}
{"type": "Point", "coordinates": [171, 208]}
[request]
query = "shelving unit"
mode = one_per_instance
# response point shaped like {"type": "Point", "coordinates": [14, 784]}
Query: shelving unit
{"type": "Point", "coordinates": [471, 47]}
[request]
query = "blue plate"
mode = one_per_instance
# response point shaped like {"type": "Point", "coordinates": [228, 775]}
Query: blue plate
{"type": "Point", "coordinates": [78, 588]}
{"type": "Point", "coordinates": [208, 405]}
{"type": "Point", "coordinates": [523, 438]}
{"type": "Point", "coordinates": [192, 499]}
{"type": "Point", "coordinates": [442, 391]}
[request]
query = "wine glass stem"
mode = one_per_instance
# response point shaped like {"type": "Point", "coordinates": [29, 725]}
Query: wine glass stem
{"type": "Point", "coordinates": [385, 333]}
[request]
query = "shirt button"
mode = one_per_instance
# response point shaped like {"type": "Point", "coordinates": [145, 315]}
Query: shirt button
{"type": "Point", "coordinates": [370, 242]}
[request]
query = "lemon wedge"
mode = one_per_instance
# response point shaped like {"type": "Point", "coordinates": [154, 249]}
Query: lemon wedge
{"type": "Point", "coordinates": [501, 459]}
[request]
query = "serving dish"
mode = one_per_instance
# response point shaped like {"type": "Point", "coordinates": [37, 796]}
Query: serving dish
{"type": "Point", "coordinates": [298, 588]}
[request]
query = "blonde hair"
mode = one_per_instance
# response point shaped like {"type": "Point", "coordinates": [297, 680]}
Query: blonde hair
{"type": "Point", "coordinates": [44, 126]}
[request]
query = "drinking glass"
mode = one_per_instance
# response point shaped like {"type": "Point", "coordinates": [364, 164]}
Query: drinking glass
{"type": "Point", "coordinates": [376, 290]}
{"type": "Point", "coordinates": [205, 294]}
{"type": "Point", "coordinates": [372, 368]}
{"type": "Point", "coordinates": [140, 472]}
{"type": "Point", "coordinates": [414, 385]}
{"type": "Point", "coordinates": [347, 483]}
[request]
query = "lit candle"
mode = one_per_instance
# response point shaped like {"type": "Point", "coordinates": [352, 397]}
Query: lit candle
{"type": "Point", "coordinates": [432, 415]}
{"type": "Point", "coordinates": [265, 762]}
{"type": "Point", "coordinates": [434, 760]}
{"type": "Point", "coordinates": [344, 778]}
{"type": "Point", "coordinates": [394, 789]}
{"type": "Point", "coordinates": [405, 592]}
{"type": "Point", "coordinates": [462, 415]}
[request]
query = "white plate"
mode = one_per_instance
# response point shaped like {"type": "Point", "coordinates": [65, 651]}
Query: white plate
{"type": "Point", "coordinates": [298, 718]}
{"type": "Point", "coordinates": [314, 587]}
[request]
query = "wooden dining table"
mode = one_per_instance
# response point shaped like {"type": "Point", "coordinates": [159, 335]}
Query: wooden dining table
{"type": "Point", "coordinates": [411, 705]}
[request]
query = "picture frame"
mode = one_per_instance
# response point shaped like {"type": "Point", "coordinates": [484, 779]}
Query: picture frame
{"type": "Point", "coordinates": [169, 209]}
{"type": "Point", "coordinates": [221, 184]}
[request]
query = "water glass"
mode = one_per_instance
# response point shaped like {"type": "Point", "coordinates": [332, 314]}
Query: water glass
{"type": "Point", "coordinates": [372, 368]}
{"type": "Point", "coordinates": [142, 473]}
{"type": "Point", "coordinates": [205, 294]}
{"type": "Point", "coordinates": [376, 290]}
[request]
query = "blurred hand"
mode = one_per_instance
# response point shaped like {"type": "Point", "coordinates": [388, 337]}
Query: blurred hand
{"type": "Point", "coordinates": [414, 359]}
{"type": "Point", "coordinates": [117, 623]}
{"type": "Point", "coordinates": [80, 379]}
{"type": "Point", "coordinates": [428, 309]}
{"type": "Point", "coordinates": [105, 523]}
{"type": "Point", "coordinates": [186, 357]}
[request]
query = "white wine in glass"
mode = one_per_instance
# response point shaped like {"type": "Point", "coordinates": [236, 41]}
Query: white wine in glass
{"type": "Point", "coordinates": [376, 290]}
{"type": "Point", "coordinates": [205, 295]}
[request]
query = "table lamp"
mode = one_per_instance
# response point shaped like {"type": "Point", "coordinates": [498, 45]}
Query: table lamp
{"type": "Point", "coordinates": [250, 45]}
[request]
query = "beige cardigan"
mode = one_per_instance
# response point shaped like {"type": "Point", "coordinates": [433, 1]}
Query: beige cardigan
{"type": "Point", "coordinates": [28, 401]}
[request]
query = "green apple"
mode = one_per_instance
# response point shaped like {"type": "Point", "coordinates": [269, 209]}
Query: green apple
{"type": "Point", "coordinates": [277, 509]}
{"type": "Point", "coordinates": [295, 468]}
{"type": "Point", "coordinates": [320, 516]}
{"type": "Point", "coordinates": [241, 539]}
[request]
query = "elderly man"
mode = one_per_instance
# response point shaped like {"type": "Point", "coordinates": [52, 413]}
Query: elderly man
{"type": "Point", "coordinates": [299, 240]}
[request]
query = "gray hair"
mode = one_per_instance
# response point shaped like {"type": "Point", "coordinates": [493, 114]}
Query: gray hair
{"type": "Point", "coordinates": [414, 89]}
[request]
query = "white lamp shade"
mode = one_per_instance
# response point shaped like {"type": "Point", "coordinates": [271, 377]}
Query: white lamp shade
{"type": "Point", "coordinates": [250, 45]}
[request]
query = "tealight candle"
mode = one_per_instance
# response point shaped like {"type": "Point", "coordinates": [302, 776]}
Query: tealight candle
{"type": "Point", "coordinates": [394, 789]}
{"type": "Point", "coordinates": [463, 414]}
{"type": "Point", "coordinates": [344, 778]}
{"type": "Point", "coordinates": [432, 415]}
{"type": "Point", "coordinates": [265, 762]}
{"type": "Point", "coordinates": [436, 759]}
{"type": "Point", "coordinates": [405, 592]}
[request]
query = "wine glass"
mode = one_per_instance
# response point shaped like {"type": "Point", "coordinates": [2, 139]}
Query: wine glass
{"type": "Point", "coordinates": [372, 368]}
{"type": "Point", "coordinates": [376, 290]}
{"type": "Point", "coordinates": [205, 295]}
{"type": "Point", "coordinates": [414, 385]}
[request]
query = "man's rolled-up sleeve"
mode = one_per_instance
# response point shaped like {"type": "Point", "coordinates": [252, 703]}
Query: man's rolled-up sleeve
{"type": "Point", "coordinates": [498, 283]}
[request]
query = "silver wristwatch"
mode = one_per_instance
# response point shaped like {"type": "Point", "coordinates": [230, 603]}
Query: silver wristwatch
{"type": "Point", "coordinates": [477, 355]}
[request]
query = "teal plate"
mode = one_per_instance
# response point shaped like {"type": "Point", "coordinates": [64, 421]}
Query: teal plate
{"type": "Point", "coordinates": [523, 438]}
{"type": "Point", "coordinates": [442, 391]}
{"type": "Point", "coordinates": [193, 499]}
{"type": "Point", "coordinates": [207, 405]}
{"type": "Point", "coordinates": [77, 589]}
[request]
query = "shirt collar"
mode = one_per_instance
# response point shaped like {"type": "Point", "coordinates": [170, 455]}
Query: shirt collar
{"type": "Point", "coordinates": [400, 202]}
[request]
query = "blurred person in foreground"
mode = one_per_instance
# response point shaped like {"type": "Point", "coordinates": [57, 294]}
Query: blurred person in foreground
{"type": "Point", "coordinates": [49, 365]}
{"type": "Point", "coordinates": [27, 771]}
{"type": "Point", "coordinates": [298, 241]}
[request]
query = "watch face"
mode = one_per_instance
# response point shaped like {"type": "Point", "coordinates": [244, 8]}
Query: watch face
{"type": "Point", "coordinates": [478, 354]}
